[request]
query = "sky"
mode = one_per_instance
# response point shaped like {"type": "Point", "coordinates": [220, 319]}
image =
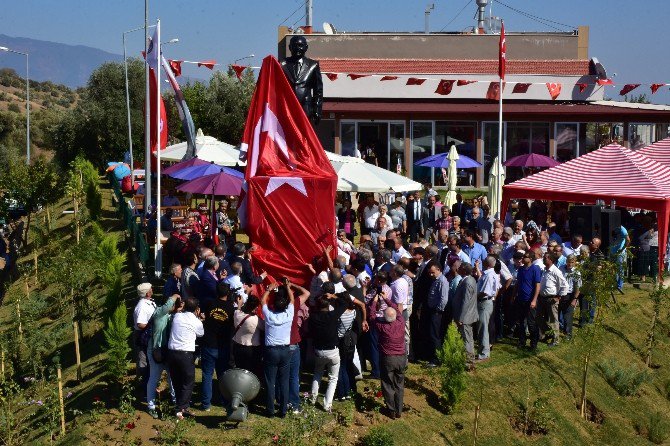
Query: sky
{"type": "Point", "coordinates": [629, 37]}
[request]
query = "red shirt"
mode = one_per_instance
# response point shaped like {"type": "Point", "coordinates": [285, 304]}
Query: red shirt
{"type": "Point", "coordinates": [391, 334]}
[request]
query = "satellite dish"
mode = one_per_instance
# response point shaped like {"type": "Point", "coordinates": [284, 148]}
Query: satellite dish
{"type": "Point", "coordinates": [329, 28]}
{"type": "Point", "coordinates": [597, 69]}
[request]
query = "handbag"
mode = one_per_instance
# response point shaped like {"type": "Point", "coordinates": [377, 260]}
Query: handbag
{"type": "Point", "coordinates": [349, 340]}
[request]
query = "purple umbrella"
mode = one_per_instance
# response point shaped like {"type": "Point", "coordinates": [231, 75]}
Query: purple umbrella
{"type": "Point", "coordinates": [531, 160]}
{"type": "Point", "coordinates": [441, 160]}
{"type": "Point", "coordinates": [193, 172]}
{"type": "Point", "coordinates": [221, 183]}
{"type": "Point", "coordinates": [183, 165]}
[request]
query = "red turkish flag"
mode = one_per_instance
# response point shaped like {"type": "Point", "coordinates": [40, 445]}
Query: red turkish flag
{"type": "Point", "coordinates": [415, 81]}
{"type": "Point", "coordinates": [582, 86]}
{"type": "Point", "coordinates": [238, 69]}
{"type": "Point", "coordinates": [357, 76]}
{"type": "Point", "coordinates": [493, 93]}
{"type": "Point", "coordinates": [175, 66]}
{"type": "Point", "coordinates": [444, 87]}
{"type": "Point", "coordinates": [331, 76]}
{"type": "Point", "coordinates": [152, 119]}
{"type": "Point", "coordinates": [604, 82]}
{"type": "Point", "coordinates": [388, 78]}
{"type": "Point", "coordinates": [554, 89]}
{"type": "Point", "coordinates": [655, 87]}
{"type": "Point", "coordinates": [462, 82]}
{"type": "Point", "coordinates": [290, 184]}
{"type": "Point", "coordinates": [207, 63]}
{"type": "Point", "coordinates": [520, 88]}
{"type": "Point", "coordinates": [502, 52]}
{"type": "Point", "coordinates": [628, 88]}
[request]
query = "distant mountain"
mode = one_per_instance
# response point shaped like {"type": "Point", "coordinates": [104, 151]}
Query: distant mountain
{"type": "Point", "coordinates": [70, 65]}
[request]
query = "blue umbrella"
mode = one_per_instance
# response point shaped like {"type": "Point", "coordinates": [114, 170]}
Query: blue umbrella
{"type": "Point", "coordinates": [193, 172]}
{"type": "Point", "coordinates": [441, 160]}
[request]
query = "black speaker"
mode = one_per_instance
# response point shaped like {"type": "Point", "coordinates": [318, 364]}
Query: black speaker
{"type": "Point", "coordinates": [610, 219]}
{"type": "Point", "coordinates": [585, 220]}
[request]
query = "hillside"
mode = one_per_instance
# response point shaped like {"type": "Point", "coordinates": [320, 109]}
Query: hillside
{"type": "Point", "coordinates": [43, 95]}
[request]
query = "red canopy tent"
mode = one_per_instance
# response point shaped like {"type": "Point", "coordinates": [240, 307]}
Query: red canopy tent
{"type": "Point", "coordinates": [610, 173]}
{"type": "Point", "coordinates": [659, 151]}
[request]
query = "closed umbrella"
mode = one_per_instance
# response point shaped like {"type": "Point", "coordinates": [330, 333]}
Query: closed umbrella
{"type": "Point", "coordinates": [496, 181]}
{"type": "Point", "coordinates": [453, 157]}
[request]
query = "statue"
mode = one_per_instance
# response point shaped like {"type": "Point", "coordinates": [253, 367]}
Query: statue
{"type": "Point", "coordinates": [304, 75]}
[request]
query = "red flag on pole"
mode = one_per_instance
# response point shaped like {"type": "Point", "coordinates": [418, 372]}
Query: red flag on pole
{"type": "Point", "coordinates": [520, 88]}
{"type": "Point", "coordinates": [238, 69]}
{"type": "Point", "coordinates": [502, 53]}
{"type": "Point", "coordinates": [153, 87]}
{"type": "Point", "coordinates": [290, 184]}
{"type": "Point", "coordinates": [444, 87]}
{"type": "Point", "coordinates": [655, 87]}
{"type": "Point", "coordinates": [554, 89]}
{"type": "Point", "coordinates": [628, 88]}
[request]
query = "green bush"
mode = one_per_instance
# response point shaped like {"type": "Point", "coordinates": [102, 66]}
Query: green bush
{"type": "Point", "coordinates": [378, 436]}
{"type": "Point", "coordinates": [625, 380]}
{"type": "Point", "coordinates": [655, 428]}
{"type": "Point", "coordinates": [452, 370]}
{"type": "Point", "coordinates": [116, 334]}
{"type": "Point", "coordinates": [94, 201]}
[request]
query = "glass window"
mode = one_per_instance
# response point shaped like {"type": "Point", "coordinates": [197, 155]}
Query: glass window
{"type": "Point", "coordinates": [598, 134]}
{"type": "Point", "coordinates": [567, 141]}
{"type": "Point", "coordinates": [490, 147]}
{"type": "Point", "coordinates": [462, 134]}
{"type": "Point", "coordinates": [397, 144]}
{"type": "Point", "coordinates": [422, 147]}
{"type": "Point", "coordinates": [348, 138]}
{"type": "Point", "coordinates": [640, 135]}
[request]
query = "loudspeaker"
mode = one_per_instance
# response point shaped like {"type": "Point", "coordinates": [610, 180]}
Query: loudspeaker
{"type": "Point", "coordinates": [585, 220]}
{"type": "Point", "coordinates": [610, 219]}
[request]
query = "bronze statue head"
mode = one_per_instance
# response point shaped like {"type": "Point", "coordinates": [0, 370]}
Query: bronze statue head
{"type": "Point", "coordinates": [298, 46]}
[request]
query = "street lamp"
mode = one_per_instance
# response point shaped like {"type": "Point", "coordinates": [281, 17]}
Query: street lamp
{"type": "Point", "coordinates": [4, 48]}
{"type": "Point", "coordinates": [245, 57]}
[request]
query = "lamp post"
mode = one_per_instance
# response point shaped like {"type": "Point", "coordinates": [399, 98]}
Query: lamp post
{"type": "Point", "coordinates": [4, 48]}
{"type": "Point", "coordinates": [245, 57]}
{"type": "Point", "coordinates": [125, 68]}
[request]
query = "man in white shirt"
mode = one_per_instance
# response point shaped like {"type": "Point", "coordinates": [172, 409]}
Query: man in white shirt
{"type": "Point", "coordinates": [370, 215]}
{"type": "Point", "coordinates": [552, 287]}
{"type": "Point", "coordinates": [186, 327]}
{"type": "Point", "coordinates": [487, 289]}
{"type": "Point", "coordinates": [141, 316]}
{"type": "Point", "coordinates": [519, 233]}
{"type": "Point", "coordinates": [573, 246]}
{"type": "Point", "coordinates": [399, 251]}
{"type": "Point", "coordinates": [235, 281]}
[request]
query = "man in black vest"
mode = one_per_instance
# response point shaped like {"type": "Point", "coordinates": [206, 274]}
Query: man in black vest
{"type": "Point", "coordinates": [304, 75]}
{"type": "Point", "coordinates": [414, 212]}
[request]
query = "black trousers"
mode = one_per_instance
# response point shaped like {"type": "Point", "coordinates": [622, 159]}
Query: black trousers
{"type": "Point", "coordinates": [248, 357]}
{"type": "Point", "coordinates": [433, 320]}
{"type": "Point", "coordinates": [526, 316]}
{"type": "Point", "coordinates": [182, 373]}
{"type": "Point", "coordinates": [413, 230]}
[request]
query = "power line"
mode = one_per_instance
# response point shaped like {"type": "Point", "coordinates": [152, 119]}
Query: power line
{"type": "Point", "coordinates": [538, 19]}
{"type": "Point", "coordinates": [456, 16]}
{"type": "Point", "coordinates": [299, 19]}
{"type": "Point", "coordinates": [291, 15]}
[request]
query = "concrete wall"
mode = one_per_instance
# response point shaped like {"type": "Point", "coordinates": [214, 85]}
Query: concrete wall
{"type": "Point", "coordinates": [520, 46]}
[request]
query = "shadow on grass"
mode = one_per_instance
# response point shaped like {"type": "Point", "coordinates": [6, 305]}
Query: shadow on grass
{"type": "Point", "coordinates": [623, 337]}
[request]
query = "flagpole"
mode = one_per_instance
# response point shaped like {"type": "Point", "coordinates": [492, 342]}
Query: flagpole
{"type": "Point", "coordinates": [501, 73]}
{"type": "Point", "coordinates": [147, 114]}
{"type": "Point", "coordinates": [158, 264]}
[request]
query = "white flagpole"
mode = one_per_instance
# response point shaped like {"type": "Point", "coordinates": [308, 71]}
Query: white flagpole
{"type": "Point", "coordinates": [158, 264]}
{"type": "Point", "coordinates": [501, 213]}
{"type": "Point", "coordinates": [147, 114]}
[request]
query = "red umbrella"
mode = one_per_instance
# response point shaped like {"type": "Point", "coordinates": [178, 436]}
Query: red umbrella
{"type": "Point", "coordinates": [183, 165]}
{"type": "Point", "coordinates": [531, 160]}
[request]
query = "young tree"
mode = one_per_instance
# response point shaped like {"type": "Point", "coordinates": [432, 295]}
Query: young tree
{"type": "Point", "coordinates": [117, 334]}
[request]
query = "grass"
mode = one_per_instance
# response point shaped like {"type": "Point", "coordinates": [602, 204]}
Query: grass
{"type": "Point", "coordinates": [512, 377]}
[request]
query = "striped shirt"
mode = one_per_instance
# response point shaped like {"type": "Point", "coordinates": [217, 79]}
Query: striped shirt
{"type": "Point", "coordinates": [346, 320]}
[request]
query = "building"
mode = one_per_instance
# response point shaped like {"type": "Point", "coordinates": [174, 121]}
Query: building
{"type": "Point", "coordinates": [380, 88]}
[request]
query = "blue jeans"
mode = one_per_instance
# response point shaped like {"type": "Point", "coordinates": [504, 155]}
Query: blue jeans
{"type": "Point", "coordinates": [293, 378]}
{"type": "Point", "coordinates": [276, 368]}
{"type": "Point", "coordinates": [373, 337]}
{"type": "Point", "coordinates": [212, 359]}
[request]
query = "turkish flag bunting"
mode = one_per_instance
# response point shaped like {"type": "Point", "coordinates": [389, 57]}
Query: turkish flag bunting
{"type": "Point", "coordinates": [520, 88]}
{"type": "Point", "coordinates": [444, 87]}
{"type": "Point", "coordinates": [388, 78]}
{"type": "Point", "coordinates": [554, 89]}
{"type": "Point", "coordinates": [290, 185]}
{"type": "Point", "coordinates": [175, 66]}
{"type": "Point", "coordinates": [153, 91]}
{"type": "Point", "coordinates": [655, 87]}
{"type": "Point", "coordinates": [331, 76]}
{"type": "Point", "coordinates": [238, 69]}
{"type": "Point", "coordinates": [415, 81]}
{"type": "Point", "coordinates": [357, 76]}
{"type": "Point", "coordinates": [493, 93]}
{"type": "Point", "coordinates": [502, 52]}
{"type": "Point", "coordinates": [462, 82]}
{"type": "Point", "coordinates": [207, 63]}
{"type": "Point", "coordinates": [582, 86]}
{"type": "Point", "coordinates": [605, 82]}
{"type": "Point", "coordinates": [628, 88]}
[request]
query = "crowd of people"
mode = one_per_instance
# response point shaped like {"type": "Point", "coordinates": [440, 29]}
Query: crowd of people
{"type": "Point", "coordinates": [373, 305]}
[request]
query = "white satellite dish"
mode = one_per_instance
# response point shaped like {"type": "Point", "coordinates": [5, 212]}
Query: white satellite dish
{"type": "Point", "coordinates": [329, 28]}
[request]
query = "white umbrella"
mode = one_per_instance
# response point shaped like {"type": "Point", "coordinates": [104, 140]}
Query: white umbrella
{"type": "Point", "coordinates": [207, 148]}
{"type": "Point", "coordinates": [355, 175]}
{"type": "Point", "coordinates": [450, 199]}
{"type": "Point", "coordinates": [496, 181]}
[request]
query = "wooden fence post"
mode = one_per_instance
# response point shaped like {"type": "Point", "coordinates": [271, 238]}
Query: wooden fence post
{"type": "Point", "coordinates": [60, 400]}
{"type": "Point", "coordinates": [76, 349]}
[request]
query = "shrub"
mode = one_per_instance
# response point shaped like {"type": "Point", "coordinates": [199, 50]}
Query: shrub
{"type": "Point", "coordinates": [378, 436]}
{"type": "Point", "coordinates": [655, 428]}
{"type": "Point", "coordinates": [532, 419]}
{"type": "Point", "coordinates": [452, 370]}
{"type": "Point", "coordinates": [625, 380]}
{"type": "Point", "coordinates": [14, 107]}
{"type": "Point", "coordinates": [116, 334]}
{"type": "Point", "coordinates": [94, 201]}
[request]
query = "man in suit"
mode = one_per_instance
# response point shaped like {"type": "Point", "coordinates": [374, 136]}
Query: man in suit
{"type": "Point", "coordinates": [459, 208]}
{"type": "Point", "coordinates": [414, 212]}
{"type": "Point", "coordinates": [431, 214]}
{"type": "Point", "coordinates": [206, 292]}
{"type": "Point", "coordinates": [465, 309]}
{"type": "Point", "coordinates": [304, 75]}
{"type": "Point", "coordinates": [427, 257]}
{"type": "Point", "coordinates": [247, 275]}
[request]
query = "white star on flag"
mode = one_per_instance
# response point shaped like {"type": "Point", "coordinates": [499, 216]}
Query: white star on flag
{"type": "Point", "coordinates": [295, 183]}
